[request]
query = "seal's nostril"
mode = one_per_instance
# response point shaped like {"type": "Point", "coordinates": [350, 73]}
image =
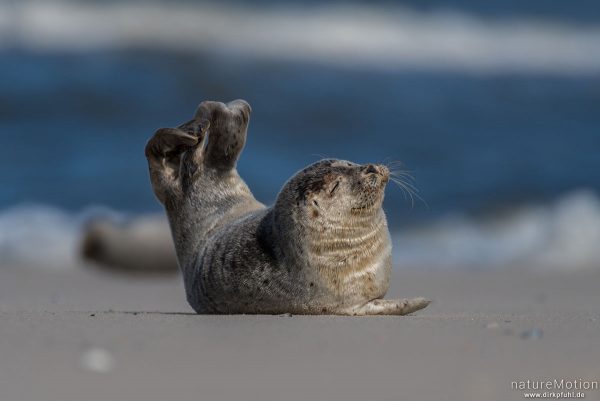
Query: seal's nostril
{"type": "Point", "coordinates": [371, 169]}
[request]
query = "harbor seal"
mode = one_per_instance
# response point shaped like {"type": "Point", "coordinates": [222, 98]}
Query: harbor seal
{"type": "Point", "coordinates": [322, 248]}
{"type": "Point", "coordinates": [141, 245]}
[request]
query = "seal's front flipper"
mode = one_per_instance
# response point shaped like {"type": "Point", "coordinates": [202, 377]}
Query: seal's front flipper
{"type": "Point", "coordinates": [227, 133]}
{"type": "Point", "coordinates": [392, 306]}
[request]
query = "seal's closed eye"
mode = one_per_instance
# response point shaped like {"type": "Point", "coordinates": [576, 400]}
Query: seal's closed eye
{"type": "Point", "coordinates": [335, 186]}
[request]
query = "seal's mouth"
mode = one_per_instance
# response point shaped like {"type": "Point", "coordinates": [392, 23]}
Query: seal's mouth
{"type": "Point", "coordinates": [373, 179]}
{"type": "Point", "coordinates": [376, 175]}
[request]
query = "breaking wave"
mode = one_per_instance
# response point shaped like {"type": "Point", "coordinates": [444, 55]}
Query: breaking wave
{"type": "Point", "coordinates": [44, 236]}
{"type": "Point", "coordinates": [342, 35]}
{"type": "Point", "coordinates": [563, 235]}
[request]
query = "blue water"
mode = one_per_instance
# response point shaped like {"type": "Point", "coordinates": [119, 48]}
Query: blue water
{"type": "Point", "coordinates": [73, 127]}
{"type": "Point", "coordinates": [493, 107]}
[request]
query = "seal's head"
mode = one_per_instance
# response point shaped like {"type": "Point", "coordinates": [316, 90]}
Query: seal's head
{"type": "Point", "coordinates": [330, 216]}
{"type": "Point", "coordinates": [331, 199]}
{"type": "Point", "coordinates": [336, 189]}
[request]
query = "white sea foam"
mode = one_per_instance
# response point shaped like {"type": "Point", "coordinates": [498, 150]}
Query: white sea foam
{"type": "Point", "coordinates": [342, 35]}
{"type": "Point", "coordinates": [561, 236]}
{"type": "Point", "coordinates": [43, 236]}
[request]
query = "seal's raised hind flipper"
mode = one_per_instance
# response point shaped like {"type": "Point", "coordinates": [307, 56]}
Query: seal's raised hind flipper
{"type": "Point", "coordinates": [176, 155]}
{"type": "Point", "coordinates": [227, 133]}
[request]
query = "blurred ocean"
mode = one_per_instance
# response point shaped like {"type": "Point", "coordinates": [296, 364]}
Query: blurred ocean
{"type": "Point", "coordinates": [493, 107]}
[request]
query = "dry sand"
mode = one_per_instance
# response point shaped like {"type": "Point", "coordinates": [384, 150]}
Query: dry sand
{"type": "Point", "coordinates": [90, 335]}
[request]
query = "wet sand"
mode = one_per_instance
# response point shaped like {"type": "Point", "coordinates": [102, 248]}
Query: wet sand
{"type": "Point", "coordinates": [91, 335]}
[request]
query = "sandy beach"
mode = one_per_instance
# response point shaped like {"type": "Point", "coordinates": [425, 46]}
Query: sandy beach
{"type": "Point", "coordinates": [93, 335]}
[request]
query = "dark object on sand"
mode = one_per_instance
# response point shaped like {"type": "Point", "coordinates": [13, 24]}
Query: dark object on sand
{"type": "Point", "coordinates": [143, 245]}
